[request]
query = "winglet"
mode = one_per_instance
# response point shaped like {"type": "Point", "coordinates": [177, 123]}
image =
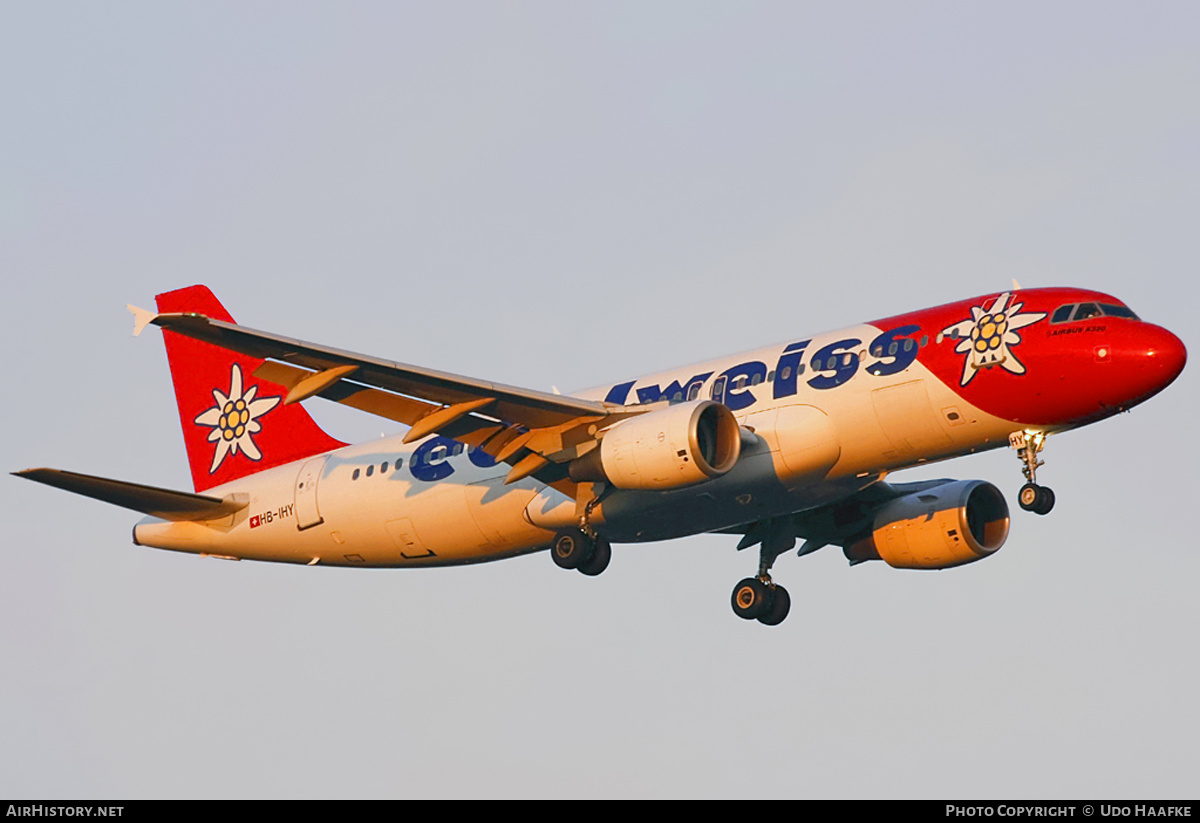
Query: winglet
{"type": "Point", "coordinates": [141, 318]}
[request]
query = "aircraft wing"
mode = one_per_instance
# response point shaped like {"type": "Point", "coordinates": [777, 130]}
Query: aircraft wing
{"type": "Point", "coordinates": [151, 500]}
{"type": "Point", "coordinates": [532, 430]}
{"type": "Point", "coordinates": [833, 523]}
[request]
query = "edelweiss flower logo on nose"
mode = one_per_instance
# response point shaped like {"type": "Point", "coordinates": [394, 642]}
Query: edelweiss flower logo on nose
{"type": "Point", "coordinates": [234, 419]}
{"type": "Point", "coordinates": [988, 337]}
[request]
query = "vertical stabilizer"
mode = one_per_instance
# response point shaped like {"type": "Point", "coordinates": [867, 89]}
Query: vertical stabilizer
{"type": "Point", "coordinates": [233, 423]}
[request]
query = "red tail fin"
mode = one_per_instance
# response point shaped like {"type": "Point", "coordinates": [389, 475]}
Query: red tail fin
{"type": "Point", "coordinates": [233, 423]}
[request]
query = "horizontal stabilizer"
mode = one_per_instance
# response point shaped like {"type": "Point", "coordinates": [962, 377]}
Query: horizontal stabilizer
{"type": "Point", "coordinates": [164, 503]}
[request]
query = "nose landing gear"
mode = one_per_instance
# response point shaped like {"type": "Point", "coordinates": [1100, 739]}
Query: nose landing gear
{"type": "Point", "coordinates": [1035, 498]}
{"type": "Point", "coordinates": [1031, 497]}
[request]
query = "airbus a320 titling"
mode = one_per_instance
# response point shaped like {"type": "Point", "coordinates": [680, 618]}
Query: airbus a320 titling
{"type": "Point", "coordinates": [786, 443]}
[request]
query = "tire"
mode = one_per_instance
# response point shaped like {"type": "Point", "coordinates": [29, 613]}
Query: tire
{"type": "Point", "coordinates": [1028, 497]}
{"type": "Point", "coordinates": [571, 550]}
{"type": "Point", "coordinates": [1045, 501]}
{"type": "Point", "coordinates": [781, 604]}
{"type": "Point", "coordinates": [751, 598]}
{"type": "Point", "coordinates": [598, 562]}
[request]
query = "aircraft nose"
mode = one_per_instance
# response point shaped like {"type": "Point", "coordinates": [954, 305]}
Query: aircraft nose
{"type": "Point", "coordinates": [1163, 354]}
{"type": "Point", "coordinates": [1152, 358]}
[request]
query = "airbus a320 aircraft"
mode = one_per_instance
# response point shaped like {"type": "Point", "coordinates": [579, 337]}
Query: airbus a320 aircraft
{"type": "Point", "coordinates": [788, 442]}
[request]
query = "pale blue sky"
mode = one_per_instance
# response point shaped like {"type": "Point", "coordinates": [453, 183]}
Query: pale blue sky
{"type": "Point", "coordinates": [570, 194]}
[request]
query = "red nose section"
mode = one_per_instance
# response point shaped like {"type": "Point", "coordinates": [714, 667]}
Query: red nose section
{"type": "Point", "coordinates": [1147, 359]}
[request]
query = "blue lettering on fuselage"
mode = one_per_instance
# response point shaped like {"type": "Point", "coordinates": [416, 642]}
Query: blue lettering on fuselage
{"type": "Point", "coordinates": [787, 370]}
{"type": "Point", "coordinates": [481, 458]}
{"type": "Point", "coordinates": [430, 461]}
{"type": "Point", "coordinates": [618, 393]}
{"type": "Point", "coordinates": [674, 392]}
{"type": "Point", "coordinates": [894, 346]}
{"type": "Point", "coordinates": [738, 381]}
{"type": "Point", "coordinates": [838, 358]}
{"type": "Point", "coordinates": [833, 365]}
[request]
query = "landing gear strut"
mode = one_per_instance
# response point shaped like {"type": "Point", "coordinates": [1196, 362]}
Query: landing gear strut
{"type": "Point", "coordinates": [1031, 497]}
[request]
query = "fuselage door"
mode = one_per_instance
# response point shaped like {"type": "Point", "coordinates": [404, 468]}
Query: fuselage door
{"type": "Point", "coordinates": [307, 513]}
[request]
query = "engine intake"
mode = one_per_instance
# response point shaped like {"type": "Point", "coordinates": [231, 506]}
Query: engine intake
{"type": "Point", "coordinates": [939, 528]}
{"type": "Point", "coordinates": [678, 446]}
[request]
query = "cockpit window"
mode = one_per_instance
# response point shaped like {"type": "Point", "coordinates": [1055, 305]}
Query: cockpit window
{"type": "Point", "coordinates": [1083, 311]}
{"type": "Point", "coordinates": [1118, 311]}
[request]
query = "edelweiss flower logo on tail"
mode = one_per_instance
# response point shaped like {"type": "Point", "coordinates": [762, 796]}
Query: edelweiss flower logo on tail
{"type": "Point", "coordinates": [988, 337]}
{"type": "Point", "coordinates": [234, 419]}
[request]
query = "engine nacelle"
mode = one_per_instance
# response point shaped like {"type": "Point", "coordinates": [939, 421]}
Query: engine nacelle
{"type": "Point", "coordinates": [678, 446]}
{"type": "Point", "coordinates": [942, 527]}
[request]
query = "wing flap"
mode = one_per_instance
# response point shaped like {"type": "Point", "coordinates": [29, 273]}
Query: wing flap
{"type": "Point", "coordinates": [163, 503]}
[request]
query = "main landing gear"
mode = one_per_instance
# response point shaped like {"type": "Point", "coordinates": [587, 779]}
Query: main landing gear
{"type": "Point", "coordinates": [582, 548]}
{"type": "Point", "coordinates": [760, 598]}
{"type": "Point", "coordinates": [1031, 497]}
{"type": "Point", "coordinates": [590, 554]}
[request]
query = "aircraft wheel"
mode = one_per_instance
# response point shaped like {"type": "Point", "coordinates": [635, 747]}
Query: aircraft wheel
{"type": "Point", "coordinates": [751, 598]}
{"type": "Point", "coordinates": [781, 604]}
{"type": "Point", "coordinates": [598, 562]}
{"type": "Point", "coordinates": [1045, 501]}
{"type": "Point", "coordinates": [1035, 498]}
{"type": "Point", "coordinates": [571, 550]}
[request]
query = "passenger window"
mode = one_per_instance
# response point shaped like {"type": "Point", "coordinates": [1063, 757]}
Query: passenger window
{"type": "Point", "coordinates": [694, 390]}
{"type": "Point", "coordinates": [355, 475]}
{"type": "Point", "coordinates": [399, 463]}
{"type": "Point", "coordinates": [370, 470]}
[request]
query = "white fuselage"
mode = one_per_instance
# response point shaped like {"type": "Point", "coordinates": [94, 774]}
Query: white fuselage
{"type": "Point", "coordinates": [826, 420]}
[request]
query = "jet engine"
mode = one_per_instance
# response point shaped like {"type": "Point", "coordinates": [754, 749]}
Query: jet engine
{"type": "Point", "coordinates": [938, 528]}
{"type": "Point", "coordinates": [678, 446]}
